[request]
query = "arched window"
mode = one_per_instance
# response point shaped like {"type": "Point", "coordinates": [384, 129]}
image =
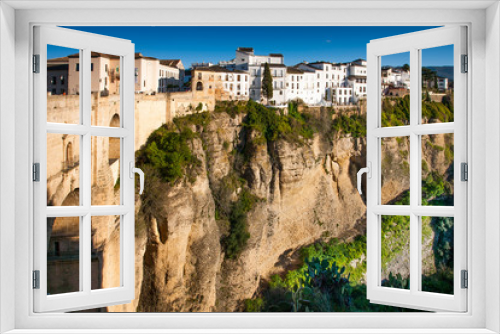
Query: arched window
{"type": "Point", "coordinates": [115, 121]}
{"type": "Point", "coordinates": [199, 85]}
{"type": "Point", "coordinates": [69, 155]}
{"type": "Point", "coordinates": [114, 143]}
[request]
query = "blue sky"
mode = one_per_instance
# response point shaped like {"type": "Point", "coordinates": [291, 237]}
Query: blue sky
{"type": "Point", "coordinates": [211, 44]}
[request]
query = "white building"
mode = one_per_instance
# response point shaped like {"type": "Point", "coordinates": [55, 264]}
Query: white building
{"type": "Point", "coordinates": [153, 75]}
{"type": "Point", "coordinates": [357, 79]}
{"type": "Point", "coordinates": [318, 83]}
{"type": "Point", "coordinates": [300, 84]}
{"type": "Point", "coordinates": [395, 77]}
{"type": "Point", "coordinates": [221, 82]}
{"type": "Point", "coordinates": [246, 60]}
{"type": "Point", "coordinates": [442, 83]}
{"type": "Point", "coordinates": [104, 77]}
{"type": "Point", "coordinates": [172, 75]}
{"type": "Point", "coordinates": [202, 64]}
{"type": "Point", "coordinates": [57, 76]}
{"type": "Point", "coordinates": [342, 96]}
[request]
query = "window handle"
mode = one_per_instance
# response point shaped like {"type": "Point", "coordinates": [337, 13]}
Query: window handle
{"type": "Point", "coordinates": [368, 171]}
{"type": "Point", "coordinates": [134, 170]}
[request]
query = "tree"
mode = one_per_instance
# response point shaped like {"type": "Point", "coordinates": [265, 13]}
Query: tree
{"type": "Point", "coordinates": [406, 67]}
{"type": "Point", "coordinates": [428, 75]}
{"type": "Point", "coordinates": [267, 83]}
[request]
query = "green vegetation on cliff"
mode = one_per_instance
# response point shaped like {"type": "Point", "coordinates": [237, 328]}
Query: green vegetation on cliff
{"type": "Point", "coordinates": [238, 236]}
{"type": "Point", "coordinates": [295, 292]}
{"type": "Point", "coordinates": [273, 124]}
{"type": "Point", "coordinates": [168, 152]}
{"type": "Point", "coordinates": [355, 125]}
{"type": "Point", "coordinates": [396, 111]}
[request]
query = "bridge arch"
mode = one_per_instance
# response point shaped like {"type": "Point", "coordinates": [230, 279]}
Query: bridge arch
{"type": "Point", "coordinates": [114, 143]}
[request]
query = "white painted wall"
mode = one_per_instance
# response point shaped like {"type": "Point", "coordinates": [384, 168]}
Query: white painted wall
{"type": "Point", "coordinates": [492, 163]}
{"type": "Point", "coordinates": [7, 165]}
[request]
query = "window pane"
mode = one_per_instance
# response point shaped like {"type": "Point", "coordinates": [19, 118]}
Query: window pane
{"type": "Point", "coordinates": [106, 252]}
{"type": "Point", "coordinates": [63, 169]}
{"type": "Point", "coordinates": [63, 82]}
{"type": "Point", "coordinates": [105, 87]}
{"type": "Point", "coordinates": [437, 254]}
{"type": "Point", "coordinates": [437, 84]}
{"type": "Point", "coordinates": [395, 170]}
{"type": "Point", "coordinates": [63, 255]}
{"type": "Point", "coordinates": [105, 171]}
{"type": "Point", "coordinates": [395, 89]}
{"type": "Point", "coordinates": [437, 170]}
{"type": "Point", "coordinates": [395, 251]}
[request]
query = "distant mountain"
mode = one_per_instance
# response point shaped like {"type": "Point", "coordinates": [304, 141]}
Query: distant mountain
{"type": "Point", "coordinates": [443, 71]}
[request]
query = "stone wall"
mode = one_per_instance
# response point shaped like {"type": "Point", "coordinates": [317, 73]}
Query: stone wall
{"type": "Point", "coordinates": [186, 103]}
{"type": "Point", "coordinates": [63, 180]}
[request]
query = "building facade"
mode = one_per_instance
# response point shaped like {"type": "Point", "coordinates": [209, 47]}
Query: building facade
{"type": "Point", "coordinates": [224, 84]}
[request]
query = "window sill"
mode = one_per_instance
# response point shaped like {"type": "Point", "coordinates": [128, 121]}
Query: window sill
{"type": "Point", "coordinates": [250, 331]}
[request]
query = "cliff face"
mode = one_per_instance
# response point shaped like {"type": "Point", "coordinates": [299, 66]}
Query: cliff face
{"type": "Point", "coordinates": [307, 192]}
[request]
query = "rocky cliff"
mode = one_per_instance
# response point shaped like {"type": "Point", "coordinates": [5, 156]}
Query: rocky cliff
{"type": "Point", "coordinates": [305, 191]}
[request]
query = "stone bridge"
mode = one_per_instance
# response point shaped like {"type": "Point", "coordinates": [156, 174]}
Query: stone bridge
{"type": "Point", "coordinates": [63, 186]}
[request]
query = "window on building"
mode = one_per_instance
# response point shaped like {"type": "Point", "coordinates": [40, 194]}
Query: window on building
{"type": "Point", "coordinates": [77, 67]}
{"type": "Point", "coordinates": [53, 80]}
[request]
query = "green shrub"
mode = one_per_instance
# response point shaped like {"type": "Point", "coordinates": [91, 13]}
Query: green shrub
{"type": "Point", "coordinates": [238, 236]}
{"type": "Point", "coordinates": [254, 305]}
{"type": "Point", "coordinates": [168, 152]}
{"type": "Point", "coordinates": [273, 125]}
{"type": "Point", "coordinates": [355, 125]}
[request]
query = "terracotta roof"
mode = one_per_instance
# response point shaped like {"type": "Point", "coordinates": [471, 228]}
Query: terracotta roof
{"type": "Point", "coordinates": [245, 49]}
{"type": "Point", "coordinates": [170, 62]}
{"type": "Point", "coordinates": [293, 70]}
{"type": "Point", "coordinates": [95, 55]}
{"type": "Point", "coordinates": [217, 69]}
{"type": "Point", "coordinates": [273, 65]}
{"type": "Point", "coordinates": [140, 55]}
{"type": "Point", "coordinates": [58, 60]}
{"type": "Point", "coordinates": [321, 62]}
{"type": "Point", "coordinates": [358, 60]}
{"type": "Point", "coordinates": [310, 68]}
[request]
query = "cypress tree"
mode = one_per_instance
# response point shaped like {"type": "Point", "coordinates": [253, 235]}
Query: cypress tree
{"type": "Point", "coordinates": [267, 83]}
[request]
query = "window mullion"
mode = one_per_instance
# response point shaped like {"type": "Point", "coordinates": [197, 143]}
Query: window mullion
{"type": "Point", "coordinates": [414, 172]}
{"type": "Point", "coordinates": [85, 169]}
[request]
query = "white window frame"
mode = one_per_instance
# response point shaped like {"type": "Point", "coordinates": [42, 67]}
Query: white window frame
{"type": "Point", "coordinates": [413, 43]}
{"type": "Point", "coordinates": [85, 298]}
{"type": "Point", "coordinates": [484, 307]}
